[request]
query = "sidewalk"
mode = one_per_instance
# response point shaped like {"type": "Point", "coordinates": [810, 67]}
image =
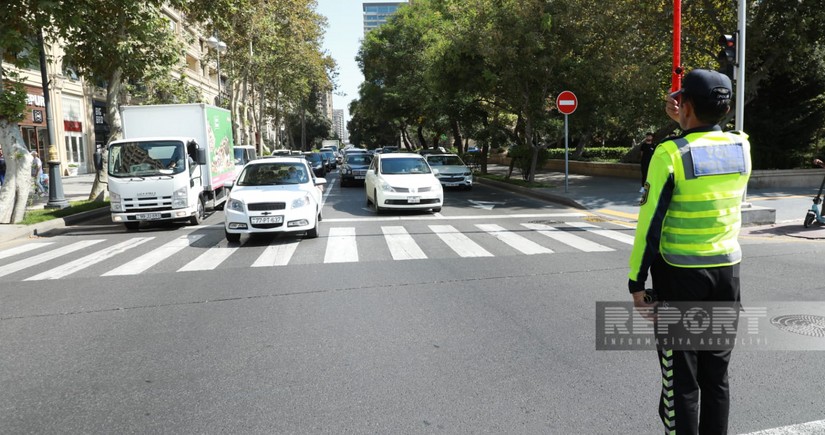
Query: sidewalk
{"type": "Point", "coordinates": [75, 188]}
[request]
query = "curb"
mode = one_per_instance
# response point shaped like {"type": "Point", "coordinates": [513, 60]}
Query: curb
{"type": "Point", "coordinates": [25, 231]}
{"type": "Point", "coordinates": [533, 193]}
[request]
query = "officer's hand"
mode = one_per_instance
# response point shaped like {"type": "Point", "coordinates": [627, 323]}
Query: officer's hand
{"type": "Point", "coordinates": [672, 108]}
{"type": "Point", "coordinates": [643, 308]}
{"type": "Point", "coordinates": [819, 163]}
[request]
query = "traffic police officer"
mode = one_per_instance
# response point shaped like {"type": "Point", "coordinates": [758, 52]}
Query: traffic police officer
{"type": "Point", "coordinates": [686, 236]}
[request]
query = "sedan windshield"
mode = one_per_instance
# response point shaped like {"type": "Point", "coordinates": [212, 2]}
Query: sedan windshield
{"type": "Point", "coordinates": [404, 165]}
{"type": "Point", "coordinates": [444, 161]}
{"type": "Point", "coordinates": [359, 159]}
{"type": "Point", "coordinates": [269, 174]}
{"type": "Point", "coordinates": [146, 159]}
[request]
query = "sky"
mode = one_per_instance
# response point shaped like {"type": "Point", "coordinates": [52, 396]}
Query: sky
{"type": "Point", "coordinates": [345, 30]}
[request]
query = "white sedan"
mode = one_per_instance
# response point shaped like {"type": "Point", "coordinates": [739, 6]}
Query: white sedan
{"type": "Point", "coordinates": [274, 195]}
{"type": "Point", "coordinates": [452, 172]}
{"type": "Point", "coordinates": [402, 181]}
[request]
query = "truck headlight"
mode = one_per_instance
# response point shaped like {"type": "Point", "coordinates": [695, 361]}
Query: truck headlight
{"type": "Point", "coordinates": [115, 202]}
{"type": "Point", "coordinates": [235, 204]}
{"type": "Point", "coordinates": [301, 202]}
{"type": "Point", "coordinates": [180, 197]}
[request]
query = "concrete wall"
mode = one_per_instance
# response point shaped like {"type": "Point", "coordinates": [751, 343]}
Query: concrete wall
{"type": "Point", "coordinates": [764, 178]}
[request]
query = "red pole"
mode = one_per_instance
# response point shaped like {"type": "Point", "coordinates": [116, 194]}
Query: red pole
{"type": "Point", "coordinates": [676, 78]}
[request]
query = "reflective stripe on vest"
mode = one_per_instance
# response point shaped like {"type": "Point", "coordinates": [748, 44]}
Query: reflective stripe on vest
{"type": "Point", "coordinates": [702, 223]}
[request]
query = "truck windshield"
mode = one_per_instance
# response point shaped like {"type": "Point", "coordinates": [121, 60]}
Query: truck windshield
{"type": "Point", "coordinates": [145, 159]}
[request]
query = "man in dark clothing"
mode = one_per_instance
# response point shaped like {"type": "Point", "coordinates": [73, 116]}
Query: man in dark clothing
{"type": "Point", "coordinates": [647, 153]}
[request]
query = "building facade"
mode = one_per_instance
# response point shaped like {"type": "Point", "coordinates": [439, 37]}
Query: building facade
{"type": "Point", "coordinates": [376, 14]}
{"type": "Point", "coordinates": [339, 125]}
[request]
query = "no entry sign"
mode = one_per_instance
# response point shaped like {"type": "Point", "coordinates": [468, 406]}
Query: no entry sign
{"type": "Point", "coordinates": [567, 102]}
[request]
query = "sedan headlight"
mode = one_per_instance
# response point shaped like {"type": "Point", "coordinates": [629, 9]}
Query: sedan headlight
{"type": "Point", "coordinates": [235, 204]}
{"type": "Point", "coordinates": [180, 197]}
{"type": "Point", "coordinates": [348, 170]}
{"type": "Point", "coordinates": [385, 187]}
{"type": "Point", "coordinates": [466, 173]}
{"type": "Point", "coordinates": [301, 202]}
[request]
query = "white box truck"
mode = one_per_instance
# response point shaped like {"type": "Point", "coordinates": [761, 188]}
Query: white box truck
{"type": "Point", "coordinates": [172, 163]}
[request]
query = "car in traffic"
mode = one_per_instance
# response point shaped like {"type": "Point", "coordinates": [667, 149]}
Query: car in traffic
{"type": "Point", "coordinates": [402, 181]}
{"type": "Point", "coordinates": [274, 195]}
{"type": "Point", "coordinates": [354, 168]}
{"type": "Point", "coordinates": [452, 172]}
{"type": "Point", "coordinates": [318, 163]}
{"type": "Point", "coordinates": [328, 154]}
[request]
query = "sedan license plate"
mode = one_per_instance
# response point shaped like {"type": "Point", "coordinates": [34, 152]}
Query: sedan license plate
{"type": "Point", "coordinates": [413, 199]}
{"type": "Point", "coordinates": [147, 216]}
{"type": "Point", "coordinates": [359, 177]}
{"type": "Point", "coordinates": [451, 184]}
{"type": "Point", "coordinates": [267, 220]}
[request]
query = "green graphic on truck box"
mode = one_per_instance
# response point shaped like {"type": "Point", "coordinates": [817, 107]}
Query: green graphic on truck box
{"type": "Point", "coordinates": [219, 141]}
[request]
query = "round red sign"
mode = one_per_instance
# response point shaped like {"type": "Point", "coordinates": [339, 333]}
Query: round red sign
{"type": "Point", "coordinates": [566, 102]}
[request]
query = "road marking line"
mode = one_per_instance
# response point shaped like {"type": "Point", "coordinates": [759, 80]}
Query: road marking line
{"type": "Point", "coordinates": [277, 254]}
{"type": "Point", "coordinates": [437, 216]}
{"type": "Point", "coordinates": [210, 259]}
{"type": "Point", "coordinates": [610, 234]}
{"type": "Point", "coordinates": [810, 428]}
{"type": "Point", "coordinates": [145, 261]}
{"type": "Point", "coordinates": [22, 248]}
{"type": "Point", "coordinates": [461, 244]}
{"type": "Point", "coordinates": [46, 256]}
{"type": "Point", "coordinates": [401, 244]}
{"type": "Point", "coordinates": [89, 260]}
{"type": "Point", "coordinates": [341, 246]}
{"type": "Point", "coordinates": [565, 237]}
{"type": "Point", "coordinates": [522, 244]}
{"type": "Point", "coordinates": [621, 214]}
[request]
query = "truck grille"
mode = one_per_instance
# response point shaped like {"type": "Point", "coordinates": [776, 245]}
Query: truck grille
{"type": "Point", "coordinates": [162, 203]}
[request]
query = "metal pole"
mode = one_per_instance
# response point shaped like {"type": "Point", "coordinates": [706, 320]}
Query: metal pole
{"type": "Point", "coordinates": [740, 68]}
{"type": "Point", "coordinates": [566, 169]}
{"type": "Point", "coordinates": [56, 198]}
{"type": "Point", "coordinates": [676, 74]}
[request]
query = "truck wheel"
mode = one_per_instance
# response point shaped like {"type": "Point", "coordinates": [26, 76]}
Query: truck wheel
{"type": "Point", "coordinates": [132, 226]}
{"type": "Point", "coordinates": [231, 237]}
{"type": "Point", "coordinates": [197, 218]}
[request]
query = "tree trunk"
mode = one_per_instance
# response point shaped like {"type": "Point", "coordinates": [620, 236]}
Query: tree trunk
{"type": "Point", "coordinates": [422, 141]}
{"type": "Point", "coordinates": [14, 193]}
{"type": "Point", "coordinates": [113, 94]}
{"type": "Point", "coordinates": [303, 128]}
{"type": "Point", "coordinates": [406, 138]}
{"type": "Point", "coordinates": [534, 155]}
{"type": "Point", "coordinates": [456, 136]}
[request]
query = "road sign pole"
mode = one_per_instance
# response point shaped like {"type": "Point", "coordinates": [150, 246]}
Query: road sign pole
{"type": "Point", "coordinates": [566, 169]}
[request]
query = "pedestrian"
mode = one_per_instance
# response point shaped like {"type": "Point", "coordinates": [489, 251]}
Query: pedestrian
{"type": "Point", "coordinates": [2, 168]}
{"type": "Point", "coordinates": [37, 174]}
{"type": "Point", "coordinates": [646, 150]}
{"type": "Point", "coordinates": [686, 236]}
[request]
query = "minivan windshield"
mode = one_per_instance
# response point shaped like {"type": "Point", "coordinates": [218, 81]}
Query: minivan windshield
{"type": "Point", "coordinates": [146, 159]}
{"type": "Point", "coordinates": [404, 165]}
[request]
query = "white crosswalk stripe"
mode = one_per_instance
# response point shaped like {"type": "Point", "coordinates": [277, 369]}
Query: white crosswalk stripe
{"type": "Point", "coordinates": [565, 237]}
{"type": "Point", "coordinates": [89, 260]}
{"type": "Point", "coordinates": [402, 245]}
{"type": "Point", "coordinates": [22, 249]}
{"type": "Point", "coordinates": [46, 256]}
{"type": "Point", "coordinates": [341, 246]}
{"type": "Point", "coordinates": [277, 254]}
{"type": "Point", "coordinates": [458, 242]}
{"type": "Point", "coordinates": [212, 258]}
{"type": "Point", "coordinates": [522, 244]}
{"type": "Point", "coordinates": [610, 234]}
{"type": "Point", "coordinates": [144, 262]}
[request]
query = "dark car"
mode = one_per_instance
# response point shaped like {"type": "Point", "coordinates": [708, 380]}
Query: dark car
{"type": "Point", "coordinates": [354, 168]}
{"type": "Point", "coordinates": [318, 163]}
{"type": "Point", "coordinates": [330, 156]}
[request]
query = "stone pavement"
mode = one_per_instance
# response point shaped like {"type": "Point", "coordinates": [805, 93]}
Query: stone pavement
{"type": "Point", "coordinates": [614, 197]}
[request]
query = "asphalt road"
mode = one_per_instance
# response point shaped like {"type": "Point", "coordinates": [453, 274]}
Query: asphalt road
{"type": "Point", "coordinates": [209, 339]}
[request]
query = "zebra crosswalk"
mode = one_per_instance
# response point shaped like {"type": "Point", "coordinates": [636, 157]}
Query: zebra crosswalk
{"type": "Point", "coordinates": [204, 248]}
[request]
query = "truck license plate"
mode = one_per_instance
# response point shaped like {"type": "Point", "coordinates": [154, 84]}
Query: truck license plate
{"type": "Point", "coordinates": [267, 220]}
{"type": "Point", "coordinates": [413, 199]}
{"type": "Point", "coordinates": [147, 216]}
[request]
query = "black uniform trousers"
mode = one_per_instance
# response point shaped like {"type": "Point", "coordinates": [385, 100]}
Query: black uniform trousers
{"type": "Point", "coordinates": [695, 393]}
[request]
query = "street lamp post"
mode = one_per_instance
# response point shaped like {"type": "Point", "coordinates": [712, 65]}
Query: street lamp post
{"type": "Point", "coordinates": [220, 48]}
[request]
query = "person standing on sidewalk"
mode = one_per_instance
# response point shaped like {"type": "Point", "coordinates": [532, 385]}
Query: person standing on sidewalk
{"type": "Point", "coordinates": [687, 237]}
{"type": "Point", "coordinates": [37, 174]}
{"type": "Point", "coordinates": [647, 153]}
{"type": "Point", "coordinates": [2, 168]}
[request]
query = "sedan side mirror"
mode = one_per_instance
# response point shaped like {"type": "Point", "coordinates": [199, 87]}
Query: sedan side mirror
{"type": "Point", "coordinates": [320, 181]}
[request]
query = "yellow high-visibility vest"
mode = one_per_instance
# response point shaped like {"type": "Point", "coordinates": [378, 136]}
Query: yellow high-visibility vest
{"type": "Point", "coordinates": [691, 210]}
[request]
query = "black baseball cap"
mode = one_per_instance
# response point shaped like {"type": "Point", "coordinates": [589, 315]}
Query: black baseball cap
{"type": "Point", "coordinates": [706, 85]}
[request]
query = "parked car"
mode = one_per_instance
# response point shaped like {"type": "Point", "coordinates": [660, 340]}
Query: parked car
{"type": "Point", "coordinates": [274, 195]}
{"type": "Point", "coordinates": [402, 181]}
{"type": "Point", "coordinates": [354, 168]}
{"type": "Point", "coordinates": [318, 163]}
{"type": "Point", "coordinates": [452, 172]}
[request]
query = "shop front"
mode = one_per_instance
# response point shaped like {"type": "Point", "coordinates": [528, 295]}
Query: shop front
{"type": "Point", "coordinates": [75, 152]}
{"type": "Point", "coordinates": [33, 126]}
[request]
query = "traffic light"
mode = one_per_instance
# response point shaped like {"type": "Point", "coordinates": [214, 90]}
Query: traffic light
{"type": "Point", "coordinates": [727, 56]}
